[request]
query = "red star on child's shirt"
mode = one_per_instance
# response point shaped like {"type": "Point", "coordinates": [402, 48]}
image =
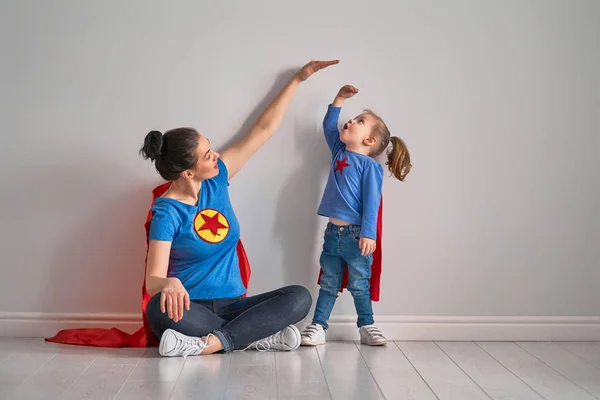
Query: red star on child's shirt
{"type": "Point", "coordinates": [341, 164]}
{"type": "Point", "coordinates": [212, 224]}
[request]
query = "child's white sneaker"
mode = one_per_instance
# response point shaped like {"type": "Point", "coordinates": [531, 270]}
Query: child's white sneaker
{"type": "Point", "coordinates": [176, 344]}
{"type": "Point", "coordinates": [372, 336]}
{"type": "Point", "coordinates": [313, 335]}
{"type": "Point", "coordinates": [287, 339]}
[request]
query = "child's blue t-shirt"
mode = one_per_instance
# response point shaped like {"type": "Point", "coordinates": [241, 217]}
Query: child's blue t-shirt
{"type": "Point", "coordinates": [203, 240]}
{"type": "Point", "coordinates": [353, 190]}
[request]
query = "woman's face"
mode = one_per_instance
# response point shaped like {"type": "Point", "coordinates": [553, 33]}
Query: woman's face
{"type": "Point", "coordinates": [206, 167]}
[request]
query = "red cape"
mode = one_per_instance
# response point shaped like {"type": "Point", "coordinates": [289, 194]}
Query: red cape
{"type": "Point", "coordinates": [143, 337]}
{"type": "Point", "coordinates": [375, 267]}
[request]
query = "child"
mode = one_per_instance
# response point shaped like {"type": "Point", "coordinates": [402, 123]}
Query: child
{"type": "Point", "coordinates": [351, 201]}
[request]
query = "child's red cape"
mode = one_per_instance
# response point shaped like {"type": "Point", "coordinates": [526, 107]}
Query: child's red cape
{"type": "Point", "coordinates": [143, 337]}
{"type": "Point", "coordinates": [375, 267]}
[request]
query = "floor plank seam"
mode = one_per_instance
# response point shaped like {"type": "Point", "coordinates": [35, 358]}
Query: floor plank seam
{"type": "Point", "coordinates": [463, 371]}
{"type": "Point", "coordinates": [20, 384]}
{"type": "Point", "coordinates": [324, 374]}
{"type": "Point", "coordinates": [417, 371]}
{"type": "Point", "coordinates": [128, 376]}
{"type": "Point", "coordinates": [81, 374]}
{"type": "Point", "coordinates": [369, 368]}
{"type": "Point", "coordinates": [177, 380]}
{"type": "Point", "coordinates": [576, 355]}
{"type": "Point", "coordinates": [227, 374]}
{"type": "Point", "coordinates": [558, 372]}
{"type": "Point", "coordinates": [275, 371]}
{"type": "Point", "coordinates": [509, 370]}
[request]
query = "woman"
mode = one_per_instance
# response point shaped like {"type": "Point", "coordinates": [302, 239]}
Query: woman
{"type": "Point", "coordinates": [198, 304]}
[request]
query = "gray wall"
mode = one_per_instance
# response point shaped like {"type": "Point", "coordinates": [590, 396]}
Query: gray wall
{"type": "Point", "coordinates": [498, 101]}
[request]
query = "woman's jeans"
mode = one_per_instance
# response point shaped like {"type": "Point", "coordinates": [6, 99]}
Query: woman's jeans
{"type": "Point", "coordinates": [238, 321]}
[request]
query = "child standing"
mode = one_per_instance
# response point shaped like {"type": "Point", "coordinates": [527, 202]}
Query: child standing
{"type": "Point", "coordinates": [351, 202]}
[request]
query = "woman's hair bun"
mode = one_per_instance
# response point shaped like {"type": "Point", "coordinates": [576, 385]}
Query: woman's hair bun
{"type": "Point", "coordinates": [153, 143]}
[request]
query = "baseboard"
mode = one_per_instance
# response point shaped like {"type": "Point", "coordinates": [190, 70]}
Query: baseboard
{"type": "Point", "coordinates": [473, 328]}
{"type": "Point", "coordinates": [440, 328]}
{"type": "Point", "coordinates": [28, 324]}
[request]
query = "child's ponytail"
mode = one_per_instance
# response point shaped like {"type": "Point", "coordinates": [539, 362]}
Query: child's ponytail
{"type": "Point", "coordinates": [399, 159]}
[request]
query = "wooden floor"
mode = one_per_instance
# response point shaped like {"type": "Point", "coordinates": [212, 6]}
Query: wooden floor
{"type": "Point", "coordinates": [33, 369]}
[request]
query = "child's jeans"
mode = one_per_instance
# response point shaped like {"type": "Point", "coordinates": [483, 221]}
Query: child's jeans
{"type": "Point", "coordinates": [340, 246]}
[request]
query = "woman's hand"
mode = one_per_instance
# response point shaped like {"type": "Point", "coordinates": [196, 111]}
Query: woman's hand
{"type": "Point", "coordinates": [174, 298]}
{"type": "Point", "coordinates": [312, 67]}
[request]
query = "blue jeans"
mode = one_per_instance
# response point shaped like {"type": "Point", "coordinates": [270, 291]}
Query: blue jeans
{"type": "Point", "coordinates": [237, 321]}
{"type": "Point", "coordinates": [340, 246]}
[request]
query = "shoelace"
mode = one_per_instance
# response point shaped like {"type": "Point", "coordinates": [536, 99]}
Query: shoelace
{"type": "Point", "coordinates": [190, 345]}
{"type": "Point", "coordinates": [265, 344]}
{"type": "Point", "coordinates": [374, 332]}
{"type": "Point", "coordinates": [310, 331]}
{"type": "Point", "coordinates": [259, 346]}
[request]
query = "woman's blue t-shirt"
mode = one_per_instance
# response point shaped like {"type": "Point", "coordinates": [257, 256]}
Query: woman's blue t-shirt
{"type": "Point", "coordinates": [203, 240]}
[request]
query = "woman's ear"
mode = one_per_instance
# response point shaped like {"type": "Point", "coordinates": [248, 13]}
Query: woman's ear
{"type": "Point", "coordinates": [188, 174]}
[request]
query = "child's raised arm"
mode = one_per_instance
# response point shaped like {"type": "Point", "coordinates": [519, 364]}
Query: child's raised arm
{"type": "Point", "coordinates": [330, 123]}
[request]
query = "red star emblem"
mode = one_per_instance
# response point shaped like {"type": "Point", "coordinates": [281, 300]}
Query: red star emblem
{"type": "Point", "coordinates": [341, 164]}
{"type": "Point", "coordinates": [212, 224]}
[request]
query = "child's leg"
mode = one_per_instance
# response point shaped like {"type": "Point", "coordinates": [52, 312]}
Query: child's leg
{"type": "Point", "coordinates": [331, 281]}
{"type": "Point", "coordinates": [359, 275]}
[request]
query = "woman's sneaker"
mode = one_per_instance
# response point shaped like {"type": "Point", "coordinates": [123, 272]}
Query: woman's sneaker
{"type": "Point", "coordinates": [371, 335]}
{"type": "Point", "coordinates": [313, 335]}
{"type": "Point", "coordinates": [176, 344]}
{"type": "Point", "coordinates": [287, 339]}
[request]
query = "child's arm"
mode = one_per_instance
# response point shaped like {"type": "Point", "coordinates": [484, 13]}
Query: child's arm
{"type": "Point", "coordinates": [372, 181]}
{"type": "Point", "coordinates": [237, 155]}
{"type": "Point", "coordinates": [330, 123]}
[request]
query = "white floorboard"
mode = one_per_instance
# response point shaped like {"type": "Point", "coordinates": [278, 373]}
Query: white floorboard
{"type": "Point", "coordinates": [300, 375]}
{"type": "Point", "coordinates": [394, 374]}
{"type": "Point", "coordinates": [490, 375]}
{"type": "Point", "coordinates": [203, 378]}
{"type": "Point", "coordinates": [346, 372]}
{"type": "Point", "coordinates": [567, 364]}
{"type": "Point", "coordinates": [34, 369]}
{"type": "Point", "coordinates": [105, 377]}
{"type": "Point", "coordinates": [542, 378]}
{"type": "Point", "coordinates": [154, 377]}
{"type": "Point", "coordinates": [589, 352]}
{"type": "Point", "coordinates": [446, 379]}
{"type": "Point", "coordinates": [251, 375]}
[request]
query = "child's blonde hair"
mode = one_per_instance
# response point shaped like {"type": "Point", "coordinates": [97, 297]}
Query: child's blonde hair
{"type": "Point", "coordinates": [398, 157]}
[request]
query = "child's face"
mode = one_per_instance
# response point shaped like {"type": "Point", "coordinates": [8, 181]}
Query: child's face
{"type": "Point", "coordinates": [356, 131]}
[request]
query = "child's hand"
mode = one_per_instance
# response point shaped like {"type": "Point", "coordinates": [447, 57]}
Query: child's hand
{"type": "Point", "coordinates": [367, 245]}
{"type": "Point", "coordinates": [347, 91]}
{"type": "Point", "coordinates": [313, 67]}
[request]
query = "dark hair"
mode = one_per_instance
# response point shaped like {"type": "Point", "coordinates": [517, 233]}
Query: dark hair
{"type": "Point", "coordinates": [173, 152]}
{"type": "Point", "coordinates": [398, 157]}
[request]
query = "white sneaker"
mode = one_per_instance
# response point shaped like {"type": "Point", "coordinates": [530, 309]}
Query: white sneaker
{"type": "Point", "coordinates": [176, 344]}
{"type": "Point", "coordinates": [313, 335]}
{"type": "Point", "coordinates": [371, 335]}
{"type": "Point", "coordinates": [287, 339]}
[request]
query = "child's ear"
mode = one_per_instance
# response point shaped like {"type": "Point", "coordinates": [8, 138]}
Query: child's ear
{"type": "Point", "coordinates": [370, 141]}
